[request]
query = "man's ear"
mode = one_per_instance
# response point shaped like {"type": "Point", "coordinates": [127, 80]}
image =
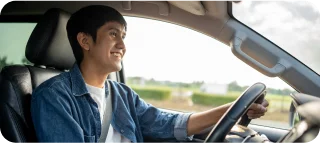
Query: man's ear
{"type": "Point", "coordinates": [83, 40]}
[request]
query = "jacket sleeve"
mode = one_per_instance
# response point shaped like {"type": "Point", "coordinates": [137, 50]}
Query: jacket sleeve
{"type": "Point", "coordinates": [52, 118]}
{"type": "Point", "coordinates": [161, 125]}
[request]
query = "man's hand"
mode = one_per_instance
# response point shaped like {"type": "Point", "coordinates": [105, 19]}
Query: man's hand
{"type": "Point", "coordinates": [258, 110]}
{"type": "Point", "coordinates": [202, 120]}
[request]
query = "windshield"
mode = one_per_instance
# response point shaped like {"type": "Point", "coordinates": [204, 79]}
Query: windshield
{"type": "Point", "coordinates": [292, 25]}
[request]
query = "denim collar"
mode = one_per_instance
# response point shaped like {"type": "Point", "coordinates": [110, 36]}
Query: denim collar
{"type": "Point", "coordinates": [78, 85]}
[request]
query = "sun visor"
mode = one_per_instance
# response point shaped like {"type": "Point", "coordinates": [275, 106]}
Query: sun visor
{"type": "Point", "coordinates": [192, 6]}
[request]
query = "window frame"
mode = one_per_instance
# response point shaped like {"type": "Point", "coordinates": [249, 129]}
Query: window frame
{"type": "Point", "coordinates": [230, 13]}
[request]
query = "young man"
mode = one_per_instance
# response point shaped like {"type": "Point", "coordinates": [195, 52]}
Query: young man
{"type": "Point", "coordinates": [72, 105]}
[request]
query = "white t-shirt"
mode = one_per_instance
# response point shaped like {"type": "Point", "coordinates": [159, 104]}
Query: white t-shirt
{"type": "Point", "coordinates": [98, 95]}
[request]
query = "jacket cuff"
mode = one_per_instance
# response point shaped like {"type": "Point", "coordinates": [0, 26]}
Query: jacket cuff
{"type": "Point", "coordinates": [180, 127]}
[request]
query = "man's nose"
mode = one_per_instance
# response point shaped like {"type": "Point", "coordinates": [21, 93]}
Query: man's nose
{"type": "Point", "coordinates": [121, 44]}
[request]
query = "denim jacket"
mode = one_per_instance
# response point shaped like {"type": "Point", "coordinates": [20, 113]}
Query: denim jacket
{"type": "Point", "coordinates": [62, 110]}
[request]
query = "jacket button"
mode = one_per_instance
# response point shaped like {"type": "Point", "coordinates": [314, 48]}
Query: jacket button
{"type": "Point", "coordinates": [122, 131]}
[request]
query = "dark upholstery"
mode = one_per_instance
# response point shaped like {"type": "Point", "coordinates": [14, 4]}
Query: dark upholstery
{"type": "Point", "coordinates": [48, 46]}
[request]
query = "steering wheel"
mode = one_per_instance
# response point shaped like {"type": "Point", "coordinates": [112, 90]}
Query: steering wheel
{"type": "Point", "coordinates": [254, 93]}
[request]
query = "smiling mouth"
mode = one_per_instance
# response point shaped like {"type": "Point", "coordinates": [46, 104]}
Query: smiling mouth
{"type": "Point", "coordinates": [116, 54]}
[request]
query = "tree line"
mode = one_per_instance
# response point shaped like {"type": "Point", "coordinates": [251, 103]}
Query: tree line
{"type": "Point", "coordinates": [233, 86]}
{"type": "Point", "coordinates": [4, 62]}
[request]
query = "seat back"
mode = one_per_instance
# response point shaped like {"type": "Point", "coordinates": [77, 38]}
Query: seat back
{"type": "Point", "coordinates": [49, 50]}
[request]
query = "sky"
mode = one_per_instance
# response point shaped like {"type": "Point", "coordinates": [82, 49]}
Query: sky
{"type": "Point", "coordinates": [165, 51]}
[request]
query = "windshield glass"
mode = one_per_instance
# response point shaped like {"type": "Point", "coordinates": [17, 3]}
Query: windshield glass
{"type": "Point", "coordinates": [292, 25]}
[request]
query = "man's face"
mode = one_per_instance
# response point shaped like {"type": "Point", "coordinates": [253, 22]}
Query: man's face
{"type": "Point", "coordinates": [109, 48]}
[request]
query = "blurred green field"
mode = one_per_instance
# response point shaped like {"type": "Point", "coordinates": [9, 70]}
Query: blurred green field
{"type": "Point", "coordinates": [276, 102]}
{"type": "Point", "coordinates": [153, 93]}
{"type": "Point", "coordinates": [278, 109]}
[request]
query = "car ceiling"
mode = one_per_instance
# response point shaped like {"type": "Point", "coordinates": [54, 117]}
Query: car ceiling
{"type": "Point", "coordinates": [207, 17]}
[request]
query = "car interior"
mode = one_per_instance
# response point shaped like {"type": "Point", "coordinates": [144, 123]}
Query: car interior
{"type": "Point", "coordinates": [49, 50]}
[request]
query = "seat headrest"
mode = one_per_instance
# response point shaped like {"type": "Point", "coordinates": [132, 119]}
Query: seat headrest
{"type": "Point", "coordinates": [48, 44]}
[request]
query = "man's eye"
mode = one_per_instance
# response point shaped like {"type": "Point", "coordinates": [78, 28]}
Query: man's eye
{"type": "Point", "coordinates": [113, 34]}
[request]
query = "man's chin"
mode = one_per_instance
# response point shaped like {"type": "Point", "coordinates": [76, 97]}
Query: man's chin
{"type": "Point", "coordinates": [112, 68]}
{"type": "Point", "coordinates": [118, 68]}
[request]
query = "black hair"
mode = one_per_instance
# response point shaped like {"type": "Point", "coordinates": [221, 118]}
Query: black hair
{"type": "Point", "coordinates": [88, 20]}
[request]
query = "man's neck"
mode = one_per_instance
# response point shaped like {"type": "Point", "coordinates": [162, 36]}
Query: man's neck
{"type": "Point", "coordinates": [92, 74]}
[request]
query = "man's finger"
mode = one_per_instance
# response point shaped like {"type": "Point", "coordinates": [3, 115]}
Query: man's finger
{"type": "Point", "coordinates": [254, 116]}
{"type": "Point", "coordinates": [254, 106]}
{"type": "Point", "coordinates": [257, 108]}
{"type": "Point", "coordinates": [259, 111]}
{"type": "Point", "coordinates": [265, 103]}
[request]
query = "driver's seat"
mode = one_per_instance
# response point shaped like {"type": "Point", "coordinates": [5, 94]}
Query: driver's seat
{"type": "Point", "coordinates": [50, 51]}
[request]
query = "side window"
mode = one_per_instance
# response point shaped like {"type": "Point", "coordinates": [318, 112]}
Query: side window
{"type": "Point", "coordinates": [13, 40]}
{"type": "Point", "coordinates": [176, 68]}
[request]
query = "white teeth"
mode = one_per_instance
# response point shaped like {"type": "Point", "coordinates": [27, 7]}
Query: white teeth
{"type": "Point", "coordinates": [116, 54]}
